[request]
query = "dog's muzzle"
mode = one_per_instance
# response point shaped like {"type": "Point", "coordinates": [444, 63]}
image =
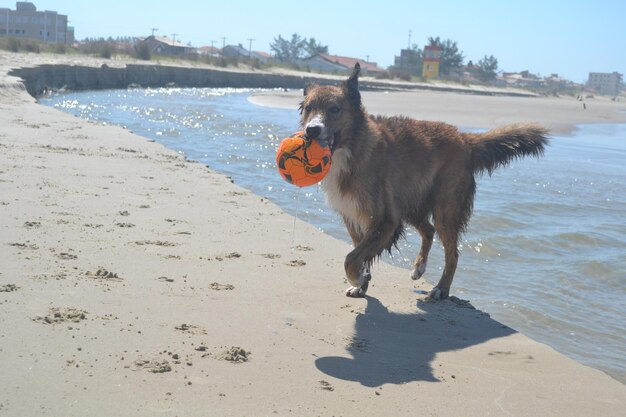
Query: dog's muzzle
{"type": "Point", "coordinates": [315, 130]}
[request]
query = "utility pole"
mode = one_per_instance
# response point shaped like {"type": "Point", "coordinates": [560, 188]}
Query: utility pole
{"type": "Point", "coordinates": [154, 30]}
{"type": "Point", "coordinates": [174, 37]}
{"type": "Point", "coordinates": [212, 48]}
{"type": "Point", "coordinates": [250, 48]}
{"type": "Point", "coordinates": [223, 44]}
{"type": "Point", "coordinates": [410, 32]}
{"type": "Point", "coordinates": [367, 58]}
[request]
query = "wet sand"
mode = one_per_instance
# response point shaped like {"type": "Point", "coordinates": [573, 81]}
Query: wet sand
{"type": "Point", "coordinates": [134, 282]}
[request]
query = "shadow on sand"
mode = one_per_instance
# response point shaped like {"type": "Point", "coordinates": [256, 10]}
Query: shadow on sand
{"type": "Point", "coordinates": [395, 348]}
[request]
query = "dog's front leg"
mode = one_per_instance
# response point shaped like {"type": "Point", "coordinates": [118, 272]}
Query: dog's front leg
{"type": "Point", "coordinates": [376, 239]}
{"type": "Point", "coordinates": [359, 277]}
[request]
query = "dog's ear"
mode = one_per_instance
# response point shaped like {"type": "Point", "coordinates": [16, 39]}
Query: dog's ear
{"type": "Point", "coordinates": [352, 85]}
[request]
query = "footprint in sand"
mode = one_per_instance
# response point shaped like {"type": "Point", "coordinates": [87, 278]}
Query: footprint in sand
{"type": "Point", "coordinates": [155, 366]}
{"type": "Point", "coordinates": [234, 354]}
{"type": "Point", "coordinates": [232, 255]}
{"type": "Point", "coordinates": [121, 224]}
{"type": "Point", "coordinates": [127, 150]}
{"type": "Point", "coordinates": [24, 245]}
{"type": "Point", "coordinates": [154, 242]}
{"type": "Point", "coordinates": [8, 288]}
{"type": "Point", "coordinates": [325, 385]}
{"type": "Point", "coordinates": [102, 273]}
{"type": "Point", "coordinates": [219, 287]}
{"type": "Point", "coordinates": [235, 193]}
{"type": "Point", "coordinates": [190, 328]}
{"type": "Point", "coordinates": [296, 263]}
{"type": "Point", "coordinates": [356, 343]}
{"type": "Point", "coordinates": [175, 221]}
{"type": "Point", "coordinates": [270, 255]}
{"type": "Point", "coordinates": [61, 315]}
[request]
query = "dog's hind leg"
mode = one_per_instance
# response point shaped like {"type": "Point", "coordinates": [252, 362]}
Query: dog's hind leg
{"type": "Point", "coordinates": [451, 213]}
{"type": "Point", "coordinates": [427, 232]}
{"type": "Point", "coordinates": [450, 239]}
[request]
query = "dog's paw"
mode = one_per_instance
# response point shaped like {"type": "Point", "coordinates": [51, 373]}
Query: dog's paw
{"type": "Point", "coordinates": [355, 292]}
{"type": "Point", "coordinates": [437, 294]}
{"type": "Point", "coordinates": [418, 271]}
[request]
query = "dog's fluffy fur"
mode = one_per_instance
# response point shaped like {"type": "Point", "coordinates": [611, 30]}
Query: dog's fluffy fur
{"type": "Point", "coordinates": [390, 171]}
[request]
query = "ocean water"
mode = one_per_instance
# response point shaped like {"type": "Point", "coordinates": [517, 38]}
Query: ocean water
{"type": "Point", "coordinates": [545, 252]}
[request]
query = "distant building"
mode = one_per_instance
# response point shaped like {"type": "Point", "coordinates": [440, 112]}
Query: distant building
{"type": "Point", "coordinates": [522, 79]}
{"type": "Point", "coordinates": [208, 50]}
{"type": "Point", "coordinates": [162, 45]}
{"type": "Point", "coordinates": [235, 51]}
{"type": "Point", "coordinates": [556, 82]}
{"type": "Point", "coordinates": [605, 83]}
{"type": "Point", "coordinates": [409, 60]}
{"type": "Point", "coordinates": [263, 57]}
{"type": "Point", "coordinates": [340, 64]}
{"type": "Point", "coordinates": [431, 61]}
{"type": "Point", "coordinates": [470, 72]}
{"type": "Point", "coordinates": [26, 22]}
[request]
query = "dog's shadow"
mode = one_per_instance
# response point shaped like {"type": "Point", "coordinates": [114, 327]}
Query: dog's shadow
{"type": "Point", "coordinates": [392, 348]}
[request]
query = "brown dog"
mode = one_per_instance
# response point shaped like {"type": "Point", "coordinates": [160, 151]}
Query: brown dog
{"type": "Point", "coordinates": [390, 171]}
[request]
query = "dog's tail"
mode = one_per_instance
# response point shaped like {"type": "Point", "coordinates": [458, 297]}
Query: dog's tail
{"type": "Point", "coordinates": [500, 146]}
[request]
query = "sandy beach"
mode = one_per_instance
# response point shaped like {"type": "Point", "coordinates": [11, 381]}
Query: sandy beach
{"type": "Point", "coordinates": [136, 283]}
{"type": "Point", "coordinates": [560, 114]}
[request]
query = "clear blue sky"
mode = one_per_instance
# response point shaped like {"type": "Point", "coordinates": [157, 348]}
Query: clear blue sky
{"type": "Point", "coordinates": [570, 38]}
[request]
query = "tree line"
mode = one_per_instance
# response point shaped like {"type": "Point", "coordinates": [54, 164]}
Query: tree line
{"type": "Point", "coordinates": [451, 58]}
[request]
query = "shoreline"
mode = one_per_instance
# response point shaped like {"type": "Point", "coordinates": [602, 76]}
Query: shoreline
{"type": "Point", "coordinates": [157, 271]}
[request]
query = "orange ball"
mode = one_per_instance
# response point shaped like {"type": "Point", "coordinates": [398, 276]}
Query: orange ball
{"type": "Point", "coordinates": [301, 161]}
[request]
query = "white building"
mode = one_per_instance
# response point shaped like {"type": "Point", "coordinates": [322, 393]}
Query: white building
{"type": "Point", "coordinates": [605, 83]}
{"type": "Point", "coordinates": [26, 22]}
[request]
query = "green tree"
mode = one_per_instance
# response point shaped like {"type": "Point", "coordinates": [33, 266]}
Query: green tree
{"type": "Point", "coordinates": [287, 50]}
{"type": "Point", "coordinates": [488, 68]}
{"type": "Point", "coordinates": [296, 48]}
{"type": "Point", "coordinates": [312, 47]}
{"type": "Point", "coordinates": [451, 57]}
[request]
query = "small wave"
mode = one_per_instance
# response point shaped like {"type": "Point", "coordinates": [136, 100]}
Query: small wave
{"type": "Point", "coordinates": [571, 240]}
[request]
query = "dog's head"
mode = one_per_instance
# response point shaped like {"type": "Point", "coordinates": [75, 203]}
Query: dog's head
{"type": "Point", "coordinates": [329, 113]}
